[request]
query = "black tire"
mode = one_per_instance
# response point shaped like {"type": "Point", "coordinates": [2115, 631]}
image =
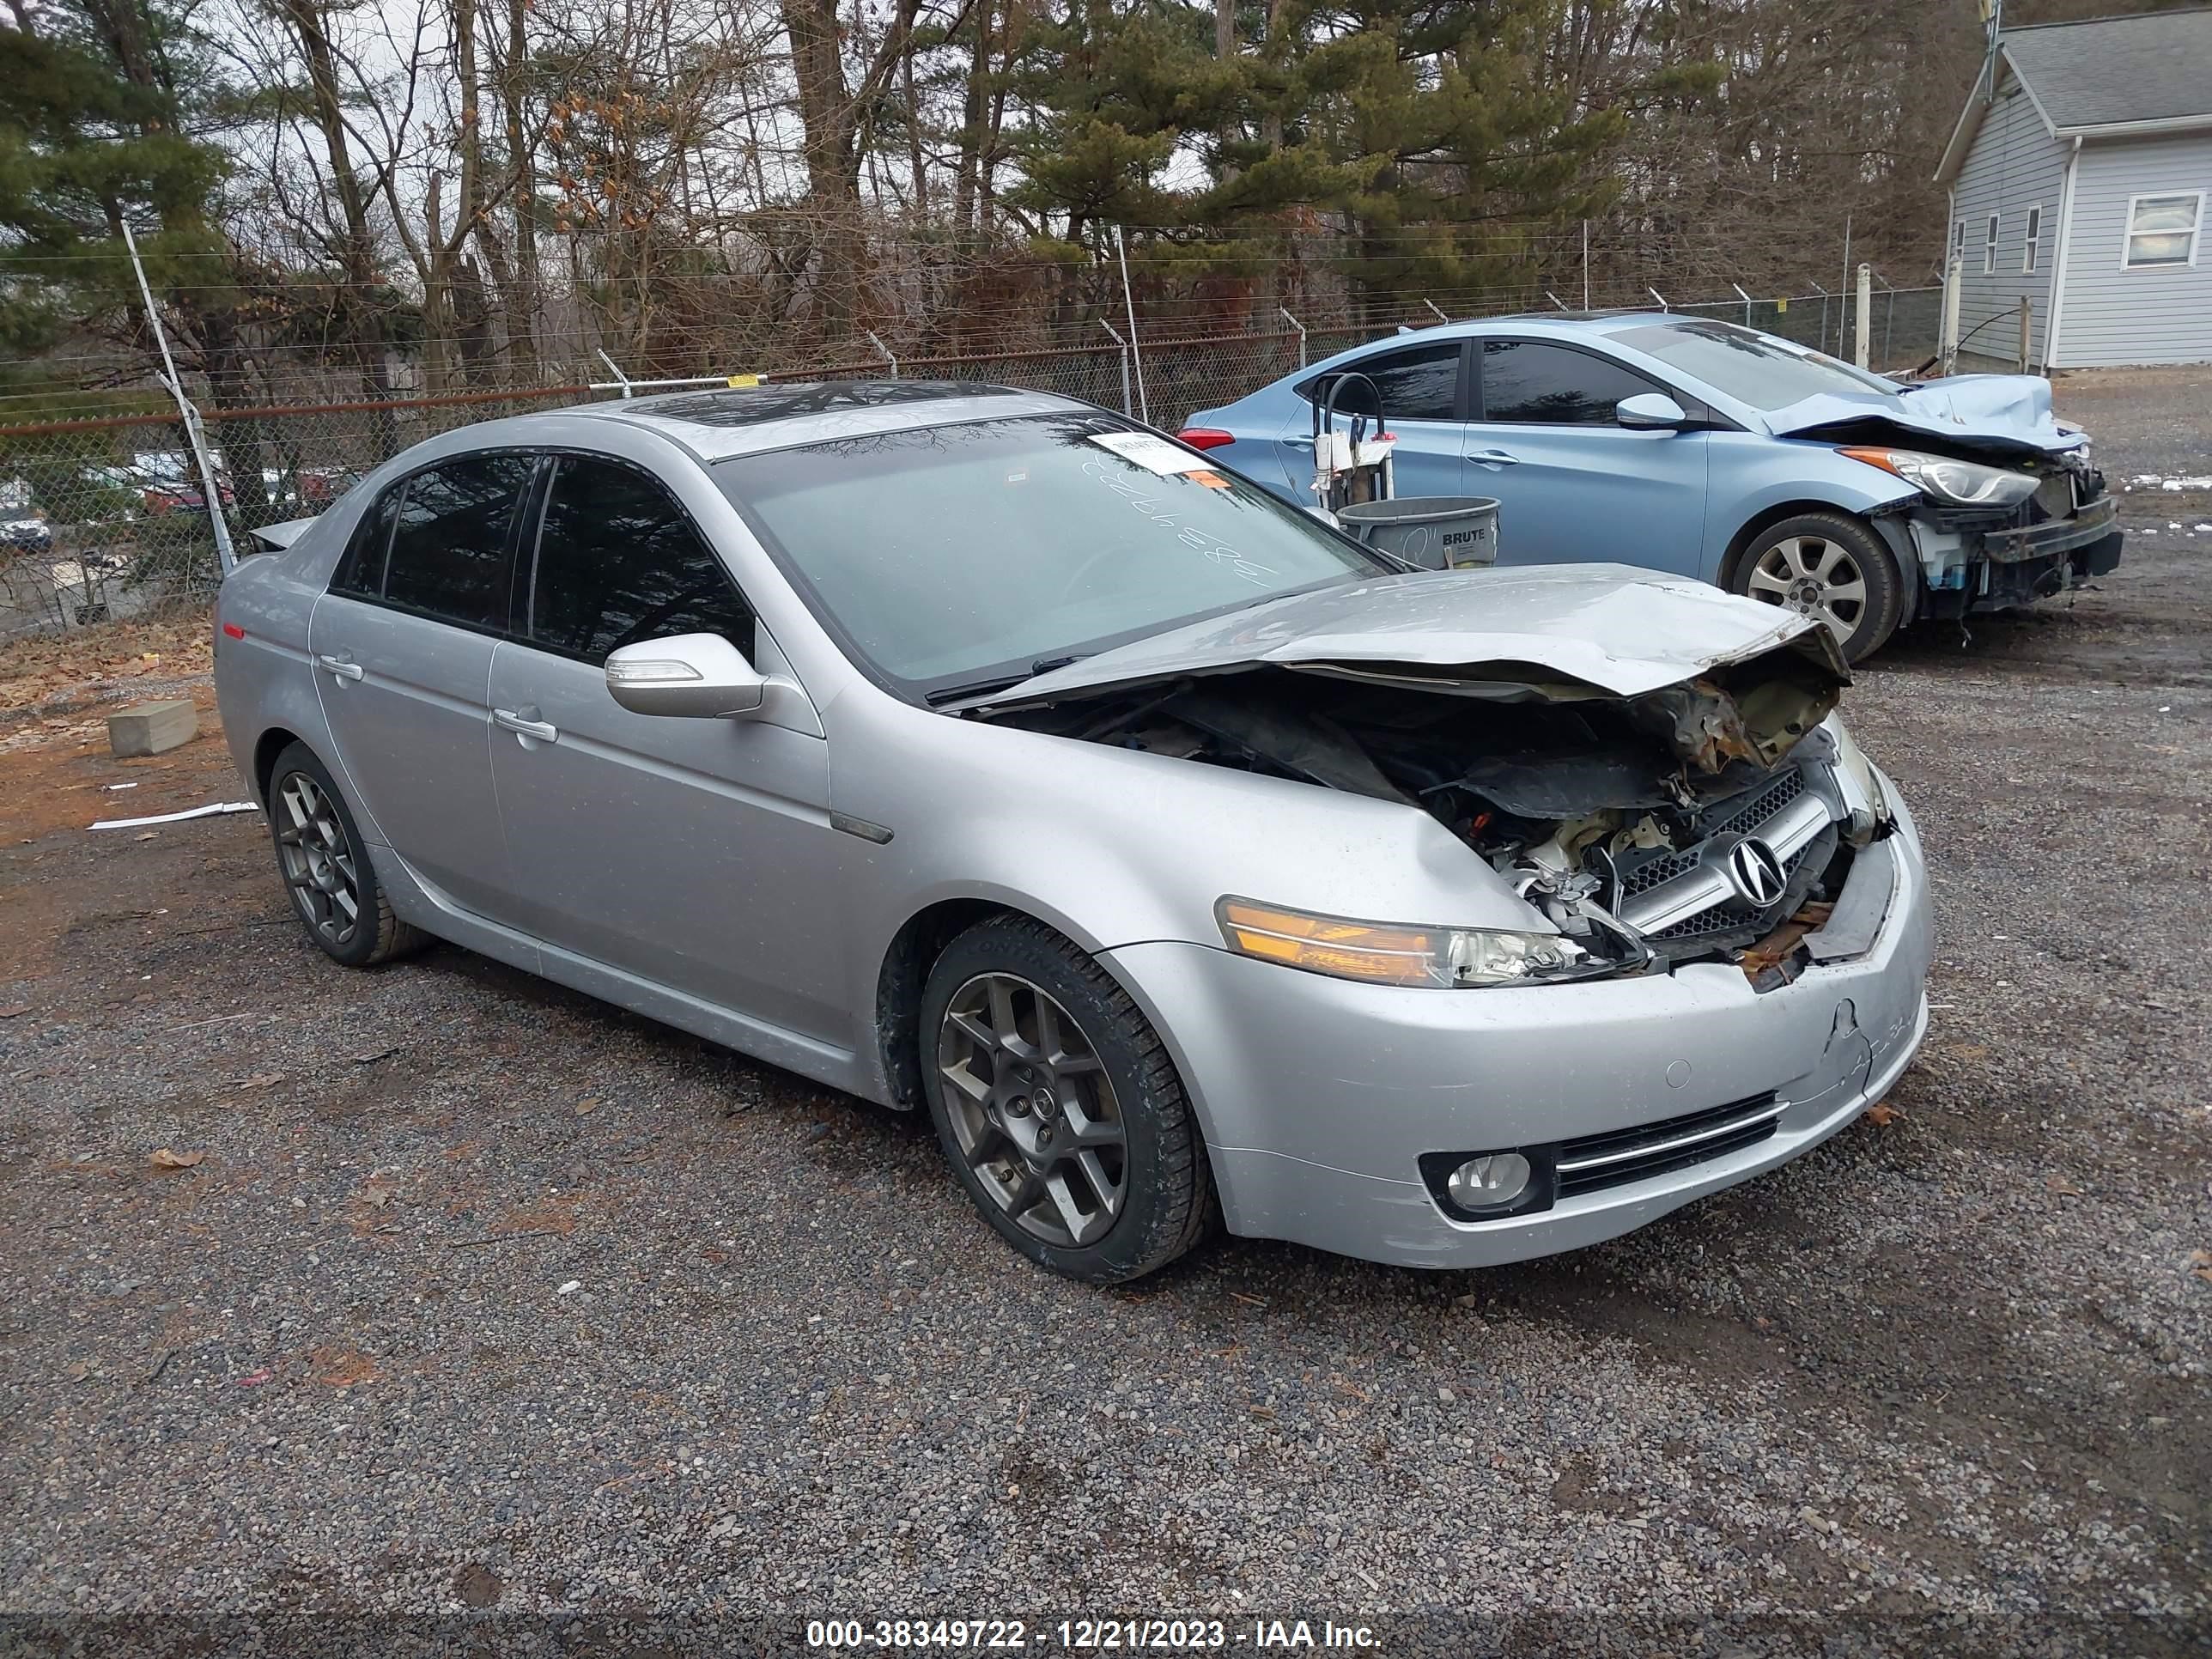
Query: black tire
{"type": "Point", "coordinates": [1778, 567]}
{"type": "Point", "coordinates": [1166, 1188]}
{"type": "Point", "coordinates": [325, 866]}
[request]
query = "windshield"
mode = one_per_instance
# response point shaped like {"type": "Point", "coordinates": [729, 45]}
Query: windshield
{"type": "Point", "coordinates": [949, 556]}
{"type": "Point", "coordinates": [1752, 367]}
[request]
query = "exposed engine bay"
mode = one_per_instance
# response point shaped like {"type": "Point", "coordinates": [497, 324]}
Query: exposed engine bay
{"type": "Point", "coordinates": [1698, 820]}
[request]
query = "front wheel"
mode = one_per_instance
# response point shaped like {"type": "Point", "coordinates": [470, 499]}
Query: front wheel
{"type": "Point", "coordinates": [1058, 1106]}
{"type": "Point", "coordinates": [1832, 568]}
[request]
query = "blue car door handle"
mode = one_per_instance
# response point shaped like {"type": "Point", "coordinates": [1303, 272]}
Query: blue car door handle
{"type": "Point", "coordinates": [1298, 443]}
{"type": "Point", "coordinates": [1493, 457]}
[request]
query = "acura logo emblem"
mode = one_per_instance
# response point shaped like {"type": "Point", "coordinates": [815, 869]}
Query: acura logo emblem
{"type": "Point", "coordinates": [1755, 873]}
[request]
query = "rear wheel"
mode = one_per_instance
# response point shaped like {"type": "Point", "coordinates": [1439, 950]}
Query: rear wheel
{"type": "Point", "coordinates": [333, 885]}
{"type": "Point", "coordinates": [1059, 1108]}
{"type": "Point", "coordinates": [1832, 568]}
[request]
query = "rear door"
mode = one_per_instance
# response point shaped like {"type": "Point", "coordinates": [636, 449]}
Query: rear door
{"type": "Point", "coordinates": [694, 854]}
{"type": "Point", "coordinates": [402, 646]}
{"type": "Point", "coordinates": [1423, 401]}
{"type": "Point", "coordinates": [1572, 485]}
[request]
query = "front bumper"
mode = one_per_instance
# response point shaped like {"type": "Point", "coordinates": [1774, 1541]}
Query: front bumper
{"type": "Point", "coordinates": [1970, 563]}
{"type": "Point", "coordinates": [1319, 1095]}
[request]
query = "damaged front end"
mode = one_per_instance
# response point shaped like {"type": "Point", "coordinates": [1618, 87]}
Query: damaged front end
{"type": "Point", "coordinates": [1711, 818]}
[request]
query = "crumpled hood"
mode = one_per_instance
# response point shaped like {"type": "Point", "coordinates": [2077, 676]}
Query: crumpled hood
{"type": "Point", "coordinates": [2002, 413]}
{"type": "Point", "coordinates": [1604, 629]}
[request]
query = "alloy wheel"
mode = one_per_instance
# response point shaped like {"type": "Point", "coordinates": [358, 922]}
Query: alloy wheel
{"type": "Point", "coordinates": [1815, 577]}
{"type": "Point", "coordinates": [319, 860]}
{"type": "Point", "coordinates": [1032, 1110]}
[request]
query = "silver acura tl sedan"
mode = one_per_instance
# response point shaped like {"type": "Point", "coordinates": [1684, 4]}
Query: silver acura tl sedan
{"type": "Point", "coordinates": [979, 751]}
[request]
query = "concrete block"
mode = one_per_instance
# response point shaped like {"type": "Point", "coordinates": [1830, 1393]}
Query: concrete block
{"type": "Point", "coordinates": [151, 728]}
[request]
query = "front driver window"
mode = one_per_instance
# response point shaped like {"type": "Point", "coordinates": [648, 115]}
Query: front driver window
{"type": "Point", "coordinates": [618, 562]}
{"type": "Point", "coordinates": [1527, 383]}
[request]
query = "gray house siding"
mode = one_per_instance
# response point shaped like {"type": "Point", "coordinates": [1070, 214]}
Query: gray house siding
{"type": "Point", "coordinates": [2014, 165]}
{"type": "Point", "coordinates": [2110, 315]}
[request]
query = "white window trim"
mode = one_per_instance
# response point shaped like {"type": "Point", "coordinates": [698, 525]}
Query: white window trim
{"type": "Point", "coordinates": [2031, 252]}
{"type": "Point", "coordinates": [2127, 233]}
{"type": "Point", "coordinates": [1992, 229]}
{"type": "Point", "coordinates": [1958, 241]}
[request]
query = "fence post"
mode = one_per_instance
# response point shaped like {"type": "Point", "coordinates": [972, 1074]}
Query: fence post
{"type": "Point", "coordinates": [194, 437]}
{"type": "Point", "coordinates": [1586, 305]}
{"type": "Point", "coordinates": [1659, 297]}
{"type": "Point", "coordinates": [884, 349]}
{"type": "Point", "coordinates": [1946, 339]}
{"type": "Point", "coordinates": [2026, 328]}
{"type": "Point", "coordinates": [1431, 304]}
{"type": "Point", "coordinates": [1136, 351]}
{"type": "Point", "coordinates": [1859, 341]}
{"type": "Point", "coordinates": [1301, 328]}
{"type": "Point", "coordinates": [1124, 344]}
{"type": "Point", "coordinates": [614, 369]}
{"type": "Point", "coordinates": [1746, 298]}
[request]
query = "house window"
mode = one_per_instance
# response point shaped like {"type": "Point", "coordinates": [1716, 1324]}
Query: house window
{"type": "Point", "coordinates": [1989, 248]}
{"type": "Point", "coordinates": [2029, 259]}
{"type": "Point", "coordinates": [1958, 241]}
{"type": "Point", "coordinates": [2162, 230]}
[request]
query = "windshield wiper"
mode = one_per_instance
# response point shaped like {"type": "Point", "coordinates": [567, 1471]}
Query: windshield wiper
{"type": "Point", "coordinates": [945, 694]}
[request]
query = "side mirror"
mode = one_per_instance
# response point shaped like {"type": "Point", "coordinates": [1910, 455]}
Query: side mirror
{"type": "Point", "coordinates": [1650, 411]}
{"type": "Point", "coordinates": [690, 675]}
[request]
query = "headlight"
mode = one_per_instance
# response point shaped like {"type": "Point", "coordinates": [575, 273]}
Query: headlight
{"type": "Point", "coordinates": [1862, 786]}
{"type": "Point", "coordinates": [1955, 483]}
{"type": "Point", "coordinates": [1384, 954]}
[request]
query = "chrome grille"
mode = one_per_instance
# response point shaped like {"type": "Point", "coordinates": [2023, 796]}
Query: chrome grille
{"type": "Point", "coordinates": [1711, 923]}
{"type": "Point", "coordinates": [1615, 1157]}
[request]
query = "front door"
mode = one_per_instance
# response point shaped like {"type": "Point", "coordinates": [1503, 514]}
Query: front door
{"type": "Point", "coordinates": [694, 854]}
{"type": "Point", "coordinates": [1573, 486]}
{"type": "Point", "coordinates": [402, 646]}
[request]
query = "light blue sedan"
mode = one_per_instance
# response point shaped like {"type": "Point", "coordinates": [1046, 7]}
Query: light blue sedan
{"type": "Point", "coordinates": [1707, 450]}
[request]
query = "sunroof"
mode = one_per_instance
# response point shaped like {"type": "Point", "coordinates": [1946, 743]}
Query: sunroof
{"type": "Point", "coordinates": [751, 405]}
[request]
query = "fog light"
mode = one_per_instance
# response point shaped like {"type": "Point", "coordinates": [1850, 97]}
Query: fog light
{"type": "Point", "coordinates": [1487, 1183]}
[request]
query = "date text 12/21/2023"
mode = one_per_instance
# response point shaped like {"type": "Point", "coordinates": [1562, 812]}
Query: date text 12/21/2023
{"type": "Point", "coordinates": [1086, 1635]}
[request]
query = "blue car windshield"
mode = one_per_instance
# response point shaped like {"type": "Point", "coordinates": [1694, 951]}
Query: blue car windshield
{"type": "Point", "coordinates": [947, 555]}
{"type": "Point", "coordinates": [1750, 366]}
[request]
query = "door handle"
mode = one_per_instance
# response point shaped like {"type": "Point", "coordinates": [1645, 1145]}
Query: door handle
{"type": "Point", "coordinates": [344, 668]}
{"type": "Point", "coordinates": [1297, 443]}
{"type": "Point", "coordinates": [522, 722]}
{"type": "Point", "coordinates": [1493, 457]}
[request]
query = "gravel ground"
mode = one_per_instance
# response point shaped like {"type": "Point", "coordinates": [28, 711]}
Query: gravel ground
{"type": "Point", "coordinates": [477, 1294]}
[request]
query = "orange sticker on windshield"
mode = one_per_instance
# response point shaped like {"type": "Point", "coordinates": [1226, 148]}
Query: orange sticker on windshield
{"type": "Point", "coordinates": [1210, 480]}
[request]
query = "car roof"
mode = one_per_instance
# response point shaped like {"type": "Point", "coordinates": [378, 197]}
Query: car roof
{"type": "Point", "coordinates": [724, 422]}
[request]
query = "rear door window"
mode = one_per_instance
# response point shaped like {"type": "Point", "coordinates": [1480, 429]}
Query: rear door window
{"type": "Point", "coordinates": [619, 562]}
{"type": "Point", "coordinates": [451, 541]}
{"type": "Point", "coordinates": [1530, 383]}
{"type": "Point", "coordinates": [362, 570]}
{"type": "Point", "coordinates": [1420, 383]}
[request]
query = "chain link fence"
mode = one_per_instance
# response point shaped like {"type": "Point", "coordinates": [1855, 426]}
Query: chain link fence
{"type": "Point", "coordinates": [108, 517]}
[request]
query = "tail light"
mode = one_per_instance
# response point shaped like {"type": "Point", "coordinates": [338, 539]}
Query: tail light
{"type": "Point", "coordinates": [1205, 437]}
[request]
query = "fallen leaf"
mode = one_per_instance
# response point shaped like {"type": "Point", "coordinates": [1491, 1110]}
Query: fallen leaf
{"type": "Point", "coordinates": [266, 1079]}
{"type": "Point", "coordinates": [1882, 1115]}
{"type": "Point", "coordinates": [252, 1379]}
{"type": "Point", "coordinates": [2062, 1186]}
{"type": "Point", "coordinates": [371, 1058]}
{"type": "Point", "coordinates": [166, 1159]}
{"type": "Point", "coordinates": [2200, 1263]}
{"type": "Point", "coordinates": [377, 1197]}
{"type": "Point", "coordinates": [339, 1366]}
{"type": "Point", "coordinates": [586, 1108]}
{"type": "Point", "coordinates": [14, 1009]}
{"type": "Point", "coordinates": [148, 836]}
